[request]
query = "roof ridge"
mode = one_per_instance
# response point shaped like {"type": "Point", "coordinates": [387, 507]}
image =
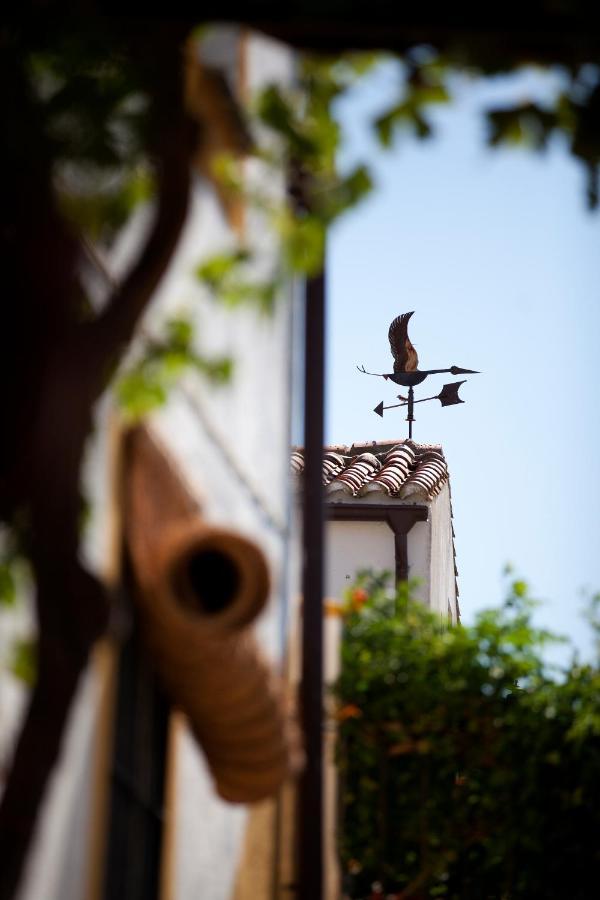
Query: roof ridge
{"type": "Point", "coordinates": [375, 447]}
{"type": "Point", "coordinates": [400, 469]}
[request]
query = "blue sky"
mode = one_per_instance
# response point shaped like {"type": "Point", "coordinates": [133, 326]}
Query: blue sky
{"type": "Point", "coordinates": [498, 255]}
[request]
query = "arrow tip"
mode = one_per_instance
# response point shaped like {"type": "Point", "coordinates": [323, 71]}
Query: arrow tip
{"type": "Point", "coordinates": [456, 370]}
{"type": "Point", "coordinates": [379, 409]}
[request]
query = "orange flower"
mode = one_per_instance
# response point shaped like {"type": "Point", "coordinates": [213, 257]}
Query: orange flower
{"type": "Point", "coordinates": [350, 711]}
{"type": "Point", "coordinates": [358, 598]}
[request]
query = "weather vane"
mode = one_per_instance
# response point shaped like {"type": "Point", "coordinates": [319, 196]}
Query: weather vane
{"type": "Point", "coordinates": [407, 374]}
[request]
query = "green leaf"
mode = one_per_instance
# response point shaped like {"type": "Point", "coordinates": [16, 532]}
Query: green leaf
{"type": "Point", "coordinates": [519, 588]}
{"type": "Point", "coordinates": [263, 294]}
{"type": "Point", "coordinates": [215, 270]}
{"type": "Point", "coordinates": [23, 663]}
{"type": "Point", "coordinates": [277, 112]}
{"type": "Point", "coordinates": [138, 393]}
{"type": "Point", "coordinates": [303, 240]}
{"type": "Point", "coordinates": [527, 123]}
{"type": "Point", "coordinates": [344, 194]}
{"type": "Point", "coordinates": [407, 115]}
{"type": "Point", "coordinates": [228, 172]}
{"type": "Point", "coordinates": [218, 370]}
{"type": "Point", "coordinates": [180, 333]}
{"type": "Point", "coordinates": [146, 385]}
{"type": "Point", "coordinates": [432, 93]}
{"type": "Point", "coordinates": [386, 123]}
{"type": "Point", "coordinates": [8, 590]}
{"type": "Point", "coordinates": [105, 202]}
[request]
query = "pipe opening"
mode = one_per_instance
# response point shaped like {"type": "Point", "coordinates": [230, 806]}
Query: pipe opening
{"type": "Point", "coordinates": [213, 581]}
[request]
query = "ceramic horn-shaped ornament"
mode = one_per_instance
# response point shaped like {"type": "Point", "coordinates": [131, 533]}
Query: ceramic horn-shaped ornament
{"type": "Point", "coordinates": [198, 589]}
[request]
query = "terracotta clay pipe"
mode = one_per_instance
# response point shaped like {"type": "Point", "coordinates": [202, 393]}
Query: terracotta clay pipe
{"type": "Point", "coordinates": [198, 589]}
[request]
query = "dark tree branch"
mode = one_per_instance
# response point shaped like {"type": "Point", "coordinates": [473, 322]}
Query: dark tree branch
{"type": "Point", "coordinates": [113, 330]}
{"type": "Point", "coordinates": [61, 378]}
{"type": "Point", "coordinates": [175, 144]}
{"type": "Point", "coordinates": [71, 605]}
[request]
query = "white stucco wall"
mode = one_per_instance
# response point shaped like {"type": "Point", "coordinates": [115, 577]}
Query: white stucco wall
{"type": "Point", "coordinates": [443, 579]}
{"type": "Point", "coordinates": [419, 559]}
{"type": "Point", "coordinates": [351, 546]}
{"type": "Point", "coordinates": [356, 545]}
{"type": "Point", "coordinates": [57, 866]}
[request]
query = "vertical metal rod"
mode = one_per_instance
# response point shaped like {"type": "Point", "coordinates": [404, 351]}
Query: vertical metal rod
{"type": "Point", "coordinates": [310, 836]}
{"type": "Point", "coordinates": [410, 417]}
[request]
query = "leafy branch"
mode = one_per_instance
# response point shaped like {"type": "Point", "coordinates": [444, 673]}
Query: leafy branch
{"type": "Point", "coordinates": [296, 138]}
{"type": "Point", "coordinates": [145, 385]}
{"type": "Point", "coordinates": [490, 757]}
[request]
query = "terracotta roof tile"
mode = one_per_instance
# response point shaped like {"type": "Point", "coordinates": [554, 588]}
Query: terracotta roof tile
{"type": "Point", "coordinates": [333, 465]}
{"type": "Point", "coordinates": [428, 477]}
{"type": "Point", "coordinates": [396, 468]}
{"type": "Point", "coordinates": [358, 470]}
{"type": "Point", "coordinates": [401, 470]}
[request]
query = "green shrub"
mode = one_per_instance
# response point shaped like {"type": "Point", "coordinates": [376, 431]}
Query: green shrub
{"type": "Point", "coordinates": [468, 768]}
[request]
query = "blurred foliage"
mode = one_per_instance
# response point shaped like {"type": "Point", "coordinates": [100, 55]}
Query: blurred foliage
{"type": "Point", "coordinates": [15, 584]}
{"type": "Point", "coordinates": [14, 569]}
{"type": "Point", "coordinates": [23, 663]}
{"type": "Point", "coordinates": [296, 140]}
{"type": "Point", "coordinates": [85, 112]}
{"type": "Point", "coordinates": [424, 84]}
{"type": "Point", "coordinates": [145, 384]}
{"type": "Point", "coordinates": [308, 137]}
{"type": "Point", "coordinates": [89, 114]}
{"type": "Point", "coordinates": [93, 104]}
{"type": "Point", "coordinates": [227, 278]}
{"type": "Point", "coordinates": [468, 767]}
{"type": "Point", "coordinates": [102, 206]}
{"type": "Point", "coordinates": [8, 587]}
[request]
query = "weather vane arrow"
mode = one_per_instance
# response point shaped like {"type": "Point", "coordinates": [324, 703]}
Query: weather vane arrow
{"type": "Point", "coordinates": [407, 373]}
{"type": "Point", "coordinates": [448, 396]}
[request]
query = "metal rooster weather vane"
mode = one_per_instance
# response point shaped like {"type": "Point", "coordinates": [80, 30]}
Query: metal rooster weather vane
{"type": "Point", "coordinates": [407, 374]}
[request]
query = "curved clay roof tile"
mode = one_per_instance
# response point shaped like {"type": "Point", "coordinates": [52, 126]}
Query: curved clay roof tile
{"type": "Point", "coordinates": [396, 467]}
{"type": "Point", "coordinates": [333, 464]}
{"type": "Point", "coordinates": [429, 476]}
{"type": "Point", "coordinates": [360, 470]}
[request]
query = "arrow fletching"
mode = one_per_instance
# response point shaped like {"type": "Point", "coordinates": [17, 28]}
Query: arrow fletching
{"type": "Point", "coordinates": [448, 395]}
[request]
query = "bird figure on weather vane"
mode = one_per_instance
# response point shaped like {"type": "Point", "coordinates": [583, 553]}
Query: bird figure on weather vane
{"type": "Point", "coordinates": [407, 373]}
